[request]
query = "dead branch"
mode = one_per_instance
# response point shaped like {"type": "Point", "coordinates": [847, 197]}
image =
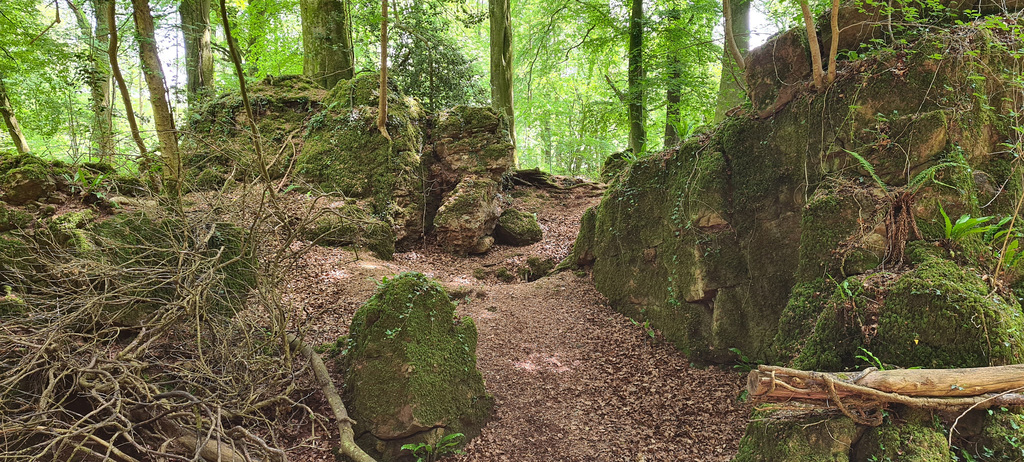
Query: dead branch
{"type": "Point", "coordinates": [347, 444]}
{"type": "Point", "coordinates": [862, 394]}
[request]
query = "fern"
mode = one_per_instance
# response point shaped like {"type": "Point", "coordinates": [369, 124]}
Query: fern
{"type": "Point", "coordinates": [870, 168]}
{"type": "Point", "coordinates": [929, 173]}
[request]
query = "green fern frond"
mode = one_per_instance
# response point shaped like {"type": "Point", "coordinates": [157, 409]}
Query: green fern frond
{"type": "Point", "coordinates": [870, 168]}
{"type": "Point", "coordinates": [930, 172]}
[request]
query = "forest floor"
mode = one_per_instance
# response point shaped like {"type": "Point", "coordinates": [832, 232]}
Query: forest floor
{"type": "Point", "coordinates": [572, 379]}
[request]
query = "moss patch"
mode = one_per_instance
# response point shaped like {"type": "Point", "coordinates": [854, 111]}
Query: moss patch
{"type": "Point", "coordinates": [353, 225]}
{"type": "Point", "coordinates": [517, 228]}
{"type": "Point", "coordinates": [807, 439]}
{"type": "Point", "coordinates": [411, 367]}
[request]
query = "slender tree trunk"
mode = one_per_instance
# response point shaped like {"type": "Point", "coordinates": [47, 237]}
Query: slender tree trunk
{"type": "Point", "coordinates": [834, 48]}
{"type": "Point", "coordinates": [547, 139]}
{"type": "Point", "coordinates": [102, 139]}
{"type": "Point", "coordinates": [126, 96]}
{"type": "Point", "coordinates": [673, 87]}
{"type": "Point", "coordinates": [500, 13]}
{"type": "Point", "coordinates": [382, 107]}
{"type": "Point", "coordinates": [257, 22]}
{"type": "Point", "coordinates": [195, 27]}
{"type": "Point", "coordinates": [731, 88]}
{"type": "Point", "coordinates": [328, 55]}
{"type": "Point", "coordinates": [7, 111]}
{"type": "Point", "coordinates": [812, 42]}
{"type": "Point", "coordinates": [637, 111]}
{"type": "Point", "coordinates": [162, 117]}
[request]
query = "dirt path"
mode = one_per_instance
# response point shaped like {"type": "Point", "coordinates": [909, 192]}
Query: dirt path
{"type": "Point", "coordinates": [572, 379]}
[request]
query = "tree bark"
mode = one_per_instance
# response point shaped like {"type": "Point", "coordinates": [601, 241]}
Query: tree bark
{"type": "Point", "coordinates": [812, 43]}
{"type": "Point", "coordinates": [327, 41]}
{"type": "Point", "coordinates": [637, 112]}
{"type": "Point", "coordinates": [382, 101]}
{"type": "Point", "coordinates": [673, 88]}
{"type": "Point", "coordinates": [834, 46]}
{"type": "Point", "coordinates": [195, 28]}
{"type": "Point", "coordinates": [98, 80]}
{"type": "Point", "coordinates": [731, 88]}
{"type": "Point", "coordinates": [162, 117]}
{"type": "Point", "coordinates": [501, 61]}
{"type": "Point", "coordinates": [7, 111]}
{"type": "Point", "coordinates": [937, 389]}
{"type": "Point", "coordinates": [115, 71]}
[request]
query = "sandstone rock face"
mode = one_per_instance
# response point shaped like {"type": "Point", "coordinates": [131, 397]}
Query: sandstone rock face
{"type": "Point", "coordinates": [733, 240]}
{"type": "Point", "coordinates": [468, 214]}
{"type": "Point", "coordinates": [411, 369]}
{"type": "Point", "coordinates": [770, 235]}
{"type": "Point", "coordinates": [328, 141]}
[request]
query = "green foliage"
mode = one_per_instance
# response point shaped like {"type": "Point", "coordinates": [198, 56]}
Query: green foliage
{"type": "Point", "coordinates": [425, 452]}
{"type": "Point", "coordinates": [964, 226]}
{"type": "Point", "coordinates": [870, 358]}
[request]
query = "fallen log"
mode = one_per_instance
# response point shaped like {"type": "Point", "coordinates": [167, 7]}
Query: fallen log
{"type": "Point", "coordinates": [860, 394]}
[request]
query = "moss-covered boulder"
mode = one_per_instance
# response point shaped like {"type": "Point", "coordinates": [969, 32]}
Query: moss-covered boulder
{"type": "Point", "coordinates": [918, 438]}
{"type": "Point", "coordinates": [351, 224]}
{"type": "Point", "coordinates": [471, 141]}
{"type": "Point", "coordinates": [343, 152]}
{"type": "Point", "coordinates": [467, 215]}
{"type": "Point", "coordinates": [786, 438]}
{"type": "Point", "coordinates": [411, 369]}
{"type": "Point", "coordinates": [29, 182]}
{"type": "Point", "coordinates": [517, 228]}
{"type": "Point", "coordinates": [13, 218]}
{"type": "Point", "coordinates": [710, 240]}
{"type": "Point", "coordinates": [218, 131]}
{"type": "Point", "coordinates": [937, 315]}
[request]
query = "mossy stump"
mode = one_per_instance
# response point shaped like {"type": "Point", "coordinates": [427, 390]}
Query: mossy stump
{"type": "Point", "coordinates": [411, 369]}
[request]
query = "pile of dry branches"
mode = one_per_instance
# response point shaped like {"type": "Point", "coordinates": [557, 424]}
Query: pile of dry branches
{"type": "Point", "coordinates": [176, 383]}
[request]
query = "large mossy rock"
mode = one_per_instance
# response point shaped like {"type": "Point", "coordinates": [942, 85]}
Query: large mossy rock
{"type": "Point", "coordinates": [936, 316]}
{"type": "Point", "coordinates": [218, 131]}
{"type": "Point", "coordinates": [25, 178]}
{"type": "Point", "coordinates": [344, 152]}
{"type": "Point", "coordinates": [330, 142]}
{"type": "Point", "coordinates": [517, 228]}
{"type": "Point", "coordinates": [351, 224]}
{"type": "Point", "coordinates": [781, 438]}
{"type": "Point", "coordinates": [468, 215]}
{"type": "Point", "coordinates": [411, 369]}
{"type": "Point", "coordinates": [712, 241]}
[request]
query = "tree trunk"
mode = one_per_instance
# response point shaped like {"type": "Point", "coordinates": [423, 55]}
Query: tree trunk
{"type": "Point", "coordinates": [812, 44]}
{"type": "Point", "coordinates": [854, 393]}
{"type": "Point", "coordinates": [126, 97]}
{"type": "Point", "coordinates": [7, 111]}
{"type": "Point", "coordinates": [673, 88]}
{"type": "Point", "coordinates": [731, 86]}
{"type": "Point", "coordinates": [102, 139]}
{"type": "Point", "coordinates": [162, 117]}
{"type": "Point", "coordinates": [382, 100]}
{"type": "Point", "coordinates": [327, 41]}
{"type": "Point", "coordinates": [501, 61]}
{"type": "Point", "coordinates": [637, 112]}
{"type": "Point", "coordinates": [195, 27]}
